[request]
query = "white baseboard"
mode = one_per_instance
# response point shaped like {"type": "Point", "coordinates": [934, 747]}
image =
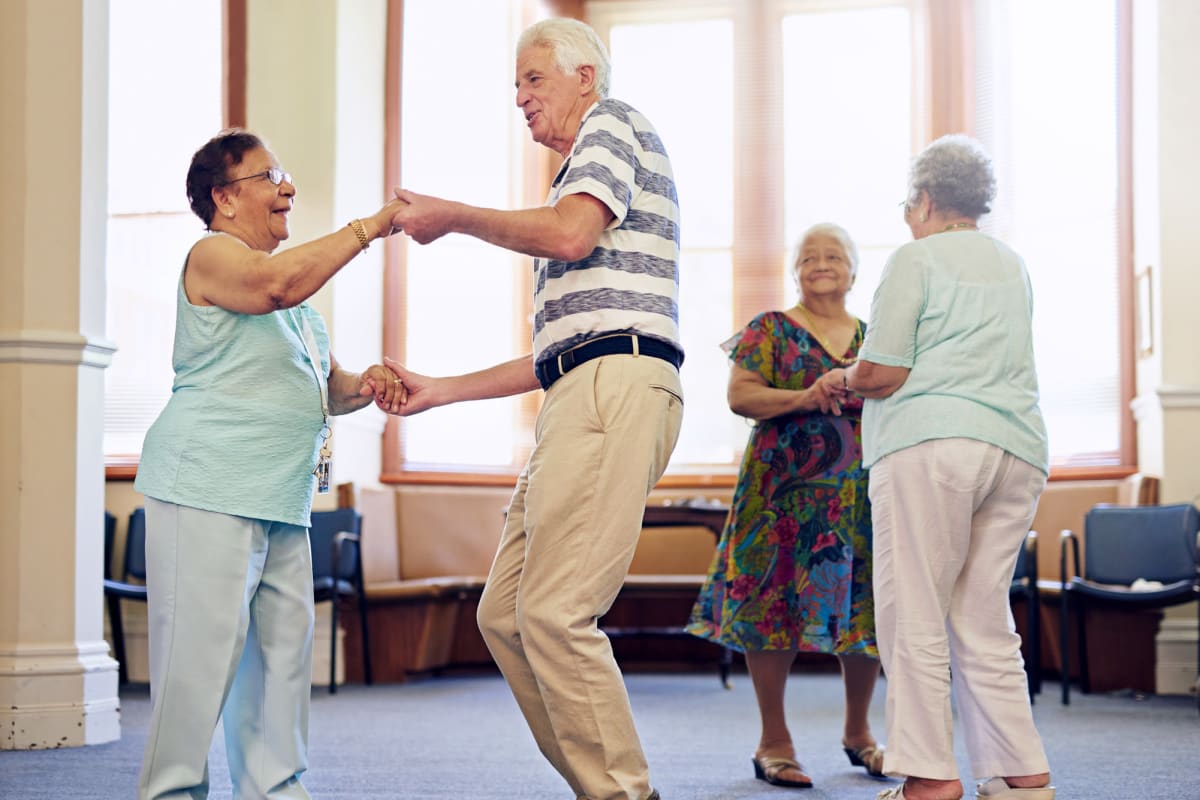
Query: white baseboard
{"type": "Point", "coordinates": [133, 618]}
{"type": "Point", "coordinates": [320, 662]}
{"type": "Point", "coordinates": [1175, 661]}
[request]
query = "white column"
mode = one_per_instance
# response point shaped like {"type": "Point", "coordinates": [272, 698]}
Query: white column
{"type": "Point", "coordinates": [58, 686]}
{"type": "Point", "coordinates": [1166, 116]}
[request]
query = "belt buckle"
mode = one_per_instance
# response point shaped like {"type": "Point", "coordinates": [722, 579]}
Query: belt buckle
{"type": "Point", "coordinates": [563, 370]}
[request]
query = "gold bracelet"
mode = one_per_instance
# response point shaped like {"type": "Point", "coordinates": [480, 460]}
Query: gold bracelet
{"type": "Point", "coordinates": [360, 231]}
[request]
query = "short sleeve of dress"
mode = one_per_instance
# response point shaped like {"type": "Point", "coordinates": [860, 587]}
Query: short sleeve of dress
{"type": "Point", "coordinates": [753, 347]}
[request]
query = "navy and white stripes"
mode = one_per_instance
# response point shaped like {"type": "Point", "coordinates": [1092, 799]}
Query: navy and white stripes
{"type": "Point", "coordinates": [630, 281]}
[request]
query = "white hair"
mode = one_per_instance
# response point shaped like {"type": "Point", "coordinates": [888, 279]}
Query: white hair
{"type": "Point", "coordinates": [573, 45]}
{"type": "Point", "coordinates": [836, 232]}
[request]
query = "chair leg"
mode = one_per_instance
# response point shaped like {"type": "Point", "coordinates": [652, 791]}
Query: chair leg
{"type": "Point", "coordinates": [118, 635]}
{"type": "Point", "coordinates": [1064, 648]}
{"type": "Point", "coordinates": [725, 666]}
{"type": "Point", "coordinates": [333, 644]}
{"type": "Point", "coordinates": [1085, 680]}
{"type": "Point", "coordinates": [1035, 627]}
{"type": "Point", "coordinates": [366, 642]}
{"type": "Point", "coordinates": [1031, 665]}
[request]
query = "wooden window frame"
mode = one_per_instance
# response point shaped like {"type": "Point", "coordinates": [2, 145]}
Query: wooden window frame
{"type": "Point", "coordinates": [233, 106]}
{"type": "Point", "coordinates": [946, 33]}
{"type": "Point", "coordinates": [945, 30]}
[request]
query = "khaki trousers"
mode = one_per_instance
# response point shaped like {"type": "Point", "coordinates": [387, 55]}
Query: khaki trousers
{"type": "Point", "coordinates": [950, 516]}
{"type": "Point", "coordinates": [603, 439]}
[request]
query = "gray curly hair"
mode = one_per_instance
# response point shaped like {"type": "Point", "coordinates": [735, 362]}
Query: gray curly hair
{"type": "Point", "coordinates": [574, 44]}
{"type": "Point", "coordinates": [956, 172]}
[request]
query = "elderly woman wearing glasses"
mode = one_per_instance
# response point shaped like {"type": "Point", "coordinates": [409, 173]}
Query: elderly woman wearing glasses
{"type": "Point", "coordinates": [229, 470]}
{"type": "Point", "coordinates": [957, 450]}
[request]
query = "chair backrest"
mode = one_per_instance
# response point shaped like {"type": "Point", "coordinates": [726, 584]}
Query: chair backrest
{"type": "Point", "coordinates": [135, 546]}
{"type": "Point", "coordinates": [110, 534]}
{"type": "Point", "coordinates": [1157, 543]}
{"type": "Point", "coordinates": [325, 526]}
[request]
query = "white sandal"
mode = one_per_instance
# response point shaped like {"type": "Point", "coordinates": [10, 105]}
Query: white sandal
{"type": "Point", "coordinates": [997, 789]}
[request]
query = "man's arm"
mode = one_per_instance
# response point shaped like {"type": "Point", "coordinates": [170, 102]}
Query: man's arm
{"type": "Point", "coordinates": [502, 380]}
{"type": "Point", "coordinates": [566, 231]}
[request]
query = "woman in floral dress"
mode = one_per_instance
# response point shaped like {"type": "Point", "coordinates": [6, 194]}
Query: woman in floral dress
{"type": "Point", "coordinates": [792, 570]}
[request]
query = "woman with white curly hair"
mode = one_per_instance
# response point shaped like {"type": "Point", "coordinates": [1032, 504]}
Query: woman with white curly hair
{"type": "Point", "coordinates": [957, 450]}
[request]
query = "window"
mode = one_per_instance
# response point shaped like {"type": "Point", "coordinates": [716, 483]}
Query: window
{"type": "Point", "coordinates": [840, 156]}
{"type": "Point", "coordinates": [779, 114]}
{"type": "Point", "coordinates": [701, 147]}
{"type": "Point", "coordinates": [466, 303]}
{"type": "Point", "coordinates": [157, 119]}
{"type": "Point", "coordinates": [1057, 202]}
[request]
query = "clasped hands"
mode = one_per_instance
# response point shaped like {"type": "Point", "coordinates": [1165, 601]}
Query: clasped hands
{"type": "Point", "coordinates": [422, 217]}
{"type": "Point", "coordinates": [399, 391]}
{"type": "Point", "coordinates": [831, 391]}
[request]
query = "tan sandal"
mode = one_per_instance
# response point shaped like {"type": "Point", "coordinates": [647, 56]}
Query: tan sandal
{"type": "Point", "coordinates": [767, 768]}
{"type": "Point", "coordinates": [869, 757]}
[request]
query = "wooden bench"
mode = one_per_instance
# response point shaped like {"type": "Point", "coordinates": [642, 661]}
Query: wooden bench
{"type": "Point", "coordinates": [679, 573]}
{"type": "Point", "coordinates": [427, 551]}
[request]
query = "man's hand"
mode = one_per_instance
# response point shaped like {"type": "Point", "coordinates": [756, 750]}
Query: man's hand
{"type": "Point", "coordinates": [421, 391]}
{"type": "Point", "coordinates": [423, 217]}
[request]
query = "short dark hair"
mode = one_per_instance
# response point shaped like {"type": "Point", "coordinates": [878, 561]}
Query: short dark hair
{"type": "Point", "coordinates": [210, 168]}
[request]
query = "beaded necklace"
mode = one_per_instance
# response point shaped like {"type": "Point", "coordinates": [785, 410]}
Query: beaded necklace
{"type": "Point", "coordinates": [816, 334]}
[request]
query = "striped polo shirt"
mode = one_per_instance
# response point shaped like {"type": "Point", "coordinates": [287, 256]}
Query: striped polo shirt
{"type": "Point", "coordinates": [630, 281]}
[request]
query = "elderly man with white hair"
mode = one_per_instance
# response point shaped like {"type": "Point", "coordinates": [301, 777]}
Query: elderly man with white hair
{"type": "Point", "coordinates": [606, 351]}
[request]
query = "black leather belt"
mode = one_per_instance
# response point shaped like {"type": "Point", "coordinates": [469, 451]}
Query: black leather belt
{"type": "Point", "coordinates": [551, 369]}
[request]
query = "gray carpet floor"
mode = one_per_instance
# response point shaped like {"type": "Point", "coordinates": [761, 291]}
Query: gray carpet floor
{"type": "Point", "coordinates": [462, 737]}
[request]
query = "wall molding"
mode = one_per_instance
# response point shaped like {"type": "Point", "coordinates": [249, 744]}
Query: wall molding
{"type": "Point", "coordinates": [1175, 656]}
{"type": "Point", "coordinates": [55, 347]}
{"type": "Point", "coordinates": [1164, 397]}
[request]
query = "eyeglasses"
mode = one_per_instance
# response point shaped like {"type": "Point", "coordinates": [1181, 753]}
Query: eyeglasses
{"type": "Point", "coordinates": [275, 176]}
{"type": "Point", "coordinates": [904, 205]}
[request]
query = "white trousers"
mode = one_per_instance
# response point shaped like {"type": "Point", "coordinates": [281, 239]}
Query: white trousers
{"type": "Point", "coordinates": [604, 436]}
{"type": "Point", "coordinates": [231, 622]}
{"type": "Point", "coordinates": [950, 516]}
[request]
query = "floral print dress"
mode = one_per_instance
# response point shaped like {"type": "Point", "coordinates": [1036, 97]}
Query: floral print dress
{"type": "Point", "coordinates": [792, 570]}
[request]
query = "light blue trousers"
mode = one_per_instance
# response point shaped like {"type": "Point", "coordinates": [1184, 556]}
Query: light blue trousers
{"type": "Point", "coordinates": [230, 625]}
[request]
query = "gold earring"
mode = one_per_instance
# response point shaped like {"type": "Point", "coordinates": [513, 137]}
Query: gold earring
{"type": "Point", "coordinates": [923, 217]}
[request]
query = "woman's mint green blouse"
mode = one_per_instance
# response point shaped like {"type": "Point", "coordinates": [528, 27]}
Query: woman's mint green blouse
{"type": "Point", "coordinates": [241, 432]}
{"type": "Point", "coordinates": [956, 309]}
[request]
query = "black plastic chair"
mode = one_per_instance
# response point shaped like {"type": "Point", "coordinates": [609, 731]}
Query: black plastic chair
{"type": "Point", "coordinates": [337, 573]}
{"type": "Point", "coordinates": [1154, 543]}
{"type": "Point", "coordinates": [1024, 587]}
{"type": "Point", "coordinates": [134, 565]}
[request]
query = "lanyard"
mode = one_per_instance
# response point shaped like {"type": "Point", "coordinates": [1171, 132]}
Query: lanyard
{"type": "Point", "coordinates": [314, 359]}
